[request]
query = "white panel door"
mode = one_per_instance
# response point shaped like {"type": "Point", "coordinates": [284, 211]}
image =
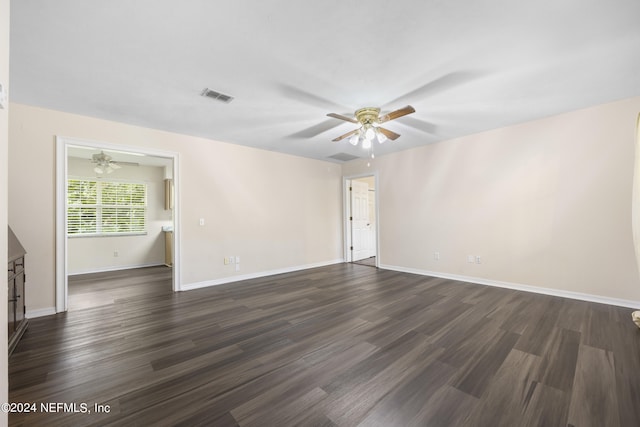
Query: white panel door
{"type": "Point", "coordinates": [360, 225]}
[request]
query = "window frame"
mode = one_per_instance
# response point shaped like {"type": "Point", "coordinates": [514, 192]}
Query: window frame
{"type": "Point", "coordinates": [99, 206]}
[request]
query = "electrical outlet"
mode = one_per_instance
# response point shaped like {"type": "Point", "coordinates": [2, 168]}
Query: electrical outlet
{"type": "Point", "coordinates": [116, 253]}
{"type": "Point", "coordinates": [232, 259]}
{"type": "Point", "coordinates": [478, 261]}
{"type": "Point", "coordinates": [201, 221]}
{"type": "Point", "coordinates": [436, 256]}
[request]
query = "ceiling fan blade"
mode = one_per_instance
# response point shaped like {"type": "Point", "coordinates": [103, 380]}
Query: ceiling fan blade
{"type": "Point", "coordinates": [389, 134]}
{"type": "Point", "coordinates": [315, 130]}
{"type": "Point", "coordinates": [420, 125]}
{"type": "Point", "coordinates": [341, 117]}
{"type": "Point", "coordinates": [300, 95]}
{"type": "Point", "coordinates": [398, 113]}
{"type": "Point", "coordinates": [347, 135]}
{"type": "Point", "coordinates": [442, 83]}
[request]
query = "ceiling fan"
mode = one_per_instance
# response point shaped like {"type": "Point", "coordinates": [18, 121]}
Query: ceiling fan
{"type": "Point", "coordinates": [369, 119]}
{"type": "Point", "coordinates": [105, 163]}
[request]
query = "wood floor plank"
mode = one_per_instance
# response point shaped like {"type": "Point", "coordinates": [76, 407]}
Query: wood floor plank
{"type": "Point", "coordinates": [626, 341]}
{"type": "Point", "coordinates": [408, 400]}
{"type": "Point", "coordinates": [517, 397]}
{"type": "Point", "coordinates": [528, 312]}
{"type": "Point", "coordinates": [594, 399]}
{"type": "Point", "coordinates": [572, 315]}
{"type": "Point", "coordinates": [447, 407]}
{"type": "Point", "coordinates": [559, 359]}
{"type": "Point", "coordinates": [341, 345]}
{"type": "Point", "coordinates": [475, 376]}
{"type": "Point", "coordinates": [596, 327]}
{"type": "Point", "coordinates": [356, 393]}
{"type": "Point", "coordinates": [205, 417]}
{"type": "Point", "coordinates": [535, 338]}
{"type": "Point", "coordinates": [290, 413]}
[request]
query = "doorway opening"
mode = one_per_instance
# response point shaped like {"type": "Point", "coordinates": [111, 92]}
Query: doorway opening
{"type": "Point", "coordinates": [635, 199]}
{"type": "Point", "coordinates": [361, 219]}
{"type": "Point", "coordinates": [116, 223]}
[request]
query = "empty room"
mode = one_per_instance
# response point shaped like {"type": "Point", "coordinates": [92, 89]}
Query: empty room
{"type": "Point", "coordinates": [284, 213]}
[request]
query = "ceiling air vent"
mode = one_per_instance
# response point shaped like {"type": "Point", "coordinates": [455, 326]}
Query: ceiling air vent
{"type": "Point", "coordinates": [216, 95]}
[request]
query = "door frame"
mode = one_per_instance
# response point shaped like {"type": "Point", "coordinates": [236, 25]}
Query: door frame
{"type": "Point", "coordinates": [346, 204]}
{"type": "Point", "coordinates": [62, 144]}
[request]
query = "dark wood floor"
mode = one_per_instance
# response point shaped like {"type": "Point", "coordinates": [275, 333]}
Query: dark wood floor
{"type": "Point", "coordinates": [100, 289]}
{"type": "Point", "coordinates": [341, 345]}
{"type": "Point", "coordinates": [371, 261]}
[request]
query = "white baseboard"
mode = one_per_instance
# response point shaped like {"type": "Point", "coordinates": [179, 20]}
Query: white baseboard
{"type": "Point", "coordinates": [41, 312]}
{"type": "Point", "coordinates": [116, 268]}
{"type": "Point", "coordinates": [519, 287]}
{"type": "Point", "coordinates": [231, 279]}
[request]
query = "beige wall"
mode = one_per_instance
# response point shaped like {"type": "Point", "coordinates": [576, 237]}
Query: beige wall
{"type": "Point", "coordinates": [635, 211]}
{"type": "Point", "coordinates": [91, 254]}
{"type": "Point", "coordinates": [545, 203]}
{"type": "Point", "coordinates": [273, 210]}
{"type": "Point", "coordinates": [4, 132]}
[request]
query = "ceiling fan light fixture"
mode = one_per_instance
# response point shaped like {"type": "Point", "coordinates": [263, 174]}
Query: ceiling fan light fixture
{"type": "Point", "coordinates": [370, 119]}
{"type": "Point", "coordinates": [104, 163]}
{"type": "Point", "coordinates": [381, 137]}
{"type": "Point", "coordinates": [369, 134]}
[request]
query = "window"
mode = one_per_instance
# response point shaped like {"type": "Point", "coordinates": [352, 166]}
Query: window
{"type": "Point", "coordinates": [103, 208]}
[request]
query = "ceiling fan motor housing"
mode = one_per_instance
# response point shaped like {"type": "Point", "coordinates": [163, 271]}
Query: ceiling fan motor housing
{"type": "Point", "coordinates": [368, 115]}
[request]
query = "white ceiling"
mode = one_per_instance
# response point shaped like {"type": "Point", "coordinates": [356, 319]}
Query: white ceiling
{"type": "Point", "coordinates": [466, 66]}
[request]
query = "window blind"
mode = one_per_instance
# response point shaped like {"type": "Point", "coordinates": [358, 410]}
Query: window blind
{"type": "Point", "coordinates": [105, 207]}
